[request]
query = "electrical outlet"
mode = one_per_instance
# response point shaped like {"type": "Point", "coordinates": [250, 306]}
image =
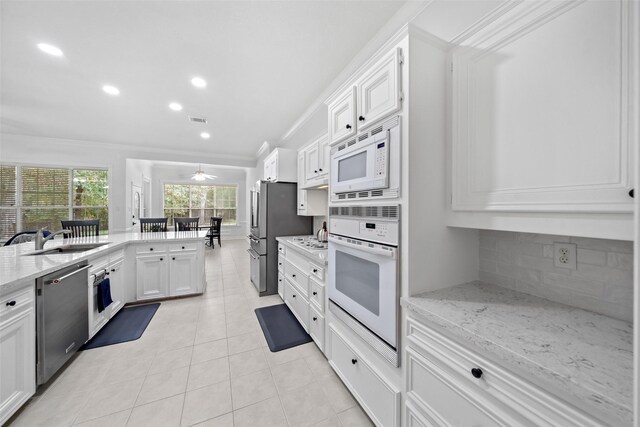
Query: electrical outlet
{"type": "Point", "coordinates": [565, 255]}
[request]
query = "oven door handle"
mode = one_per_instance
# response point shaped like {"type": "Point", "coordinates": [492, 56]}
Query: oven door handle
{"type": "Point", "coordinates": [252, 252]}
{"type": "Point", "coordinates": [375, 250]}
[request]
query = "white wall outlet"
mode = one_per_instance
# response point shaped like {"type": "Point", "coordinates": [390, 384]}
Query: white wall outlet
{"type": "Point", "coordinates": [565, 255]}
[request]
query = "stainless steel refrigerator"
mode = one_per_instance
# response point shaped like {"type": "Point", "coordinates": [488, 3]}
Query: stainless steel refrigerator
{"type": "Point", "coordinates": [274, 213]}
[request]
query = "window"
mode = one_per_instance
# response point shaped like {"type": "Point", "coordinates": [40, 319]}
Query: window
{"type": "Point", "coordinates": [203, 201]}
{"type": "Point", "coordinates": [33, 197]}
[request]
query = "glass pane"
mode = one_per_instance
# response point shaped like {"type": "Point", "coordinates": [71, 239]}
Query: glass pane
{"type": "Point", "coordinates": [352, 167]}
{"type": "Point", "coordinates": [175, 213]}
{"type": "Point", "coordinates": [45, 187]}
{"type": "Point", "coordinates": [359, 279]}
{"type": "Point", "coordinates": [94, 213]}
{"type": "Point", "coordinates": [7, 185]}
{"type": "Point", "coordinates": [35, 218]}
{"type": "Point", "coordinates": [8, 223]}
{"type": "Point", "coordinates": [90, 188]}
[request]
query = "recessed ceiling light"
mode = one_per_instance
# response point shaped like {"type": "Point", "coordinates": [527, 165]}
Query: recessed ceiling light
{"type": "Point", "coordinates": [51, 50]}
{"type": "Point", "coordinates": [111, 90]}
{"type": "Point", "coordinates": [175, 106]}
{"type": "Point", "coordinates": [198, 82]}
{"type": "Point", "coordinates": [205, 135]}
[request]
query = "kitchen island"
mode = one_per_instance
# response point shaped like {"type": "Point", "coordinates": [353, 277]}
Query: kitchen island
{"type": "Point", "coordinates": [141, 267]}
{"type": "Point", "coordinates": [584, 360]}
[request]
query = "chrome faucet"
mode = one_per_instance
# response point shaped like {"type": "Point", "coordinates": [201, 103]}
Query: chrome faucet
{"type": "Point", "coordinates": [41, 240]}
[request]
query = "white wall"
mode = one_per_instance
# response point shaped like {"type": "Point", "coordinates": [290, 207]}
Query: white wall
{"type": "Point", "coordinates": [32, 150]}
{"type": "Point", "coordinates": [136, 171]}
{"type": "Point", "coordinates": [164, 173]}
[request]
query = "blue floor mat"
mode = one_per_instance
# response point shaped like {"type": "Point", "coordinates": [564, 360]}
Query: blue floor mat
{"type": "Point", "coordinates": [127, 325]}
{"type": "Point", "coordinates": [281, 328]}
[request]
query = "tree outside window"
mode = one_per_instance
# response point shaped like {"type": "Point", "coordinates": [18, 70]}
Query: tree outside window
{"type": "Point", "coordinates": [203, 201]}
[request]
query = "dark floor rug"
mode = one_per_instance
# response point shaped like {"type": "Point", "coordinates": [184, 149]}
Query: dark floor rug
{"type": "Point", "coordinates": [127, 325]}
{"type": "Point", "coordinates": [281, 328]}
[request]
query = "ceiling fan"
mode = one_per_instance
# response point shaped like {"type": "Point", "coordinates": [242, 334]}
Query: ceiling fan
{"type": "Point", "coordinates": [199, 175]}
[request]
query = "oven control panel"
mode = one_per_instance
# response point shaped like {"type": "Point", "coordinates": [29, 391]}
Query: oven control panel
{"type": "Point", "coordinates": [374, 230]}
{"type": "Point", "coordinates": [381, 231]}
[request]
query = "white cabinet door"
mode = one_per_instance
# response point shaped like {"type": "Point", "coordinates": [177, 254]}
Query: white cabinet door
{"type": "Point", "coordinates": [17, 361]}
{"type": "Point", "coordinates": [271, 167]}
{"type": "Point", "coordinates": [379, 91]}
{"type": "Point", "coordinates": [324, 151]}
{"type": "Point", "coordinates": [342, 116]}
{"type": "Point", "coordinates": [151, 275]}
{"type": "Point", "coordinates": [117, 282]}
{"type": "Point", "coordinates": [183, 273]}
{"type": "Point", "coordinates": [312, 162]}
{"type": "Point", "coordinates": [541, 123]}
{"type": "Point", "coordinates": [301, 170]}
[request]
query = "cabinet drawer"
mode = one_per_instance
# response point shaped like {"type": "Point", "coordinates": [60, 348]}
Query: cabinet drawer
{"type": "Point", "coordinates": [497, 391]}
{"type": "Point", "coordinates": [316, 295]}
{"type": "Point", "coordinates": [151, 248]}
{"type": "Point", "coordinates": [297, 303]}
{"type": "Point", "coordinates": [281, 285]}
{"type": "Point", "coordinates": [316, 271]}
{"type": "Point", "coordinates": [179, 247]}
{"type": "Point", "coordinates": [298, 260]}
{"type": "Point", "coordinates": [376, 395]}
{"type": "Point", "coordinates": [16, 302]}
{"type": "Point", "coordinates": [316, 327]}
{"type": "Point", "coordinates": [297, 277]}
{"type": "Point", "coordinates": [282, 249]}
{"type": "Point", "coordinates": [281, 262]}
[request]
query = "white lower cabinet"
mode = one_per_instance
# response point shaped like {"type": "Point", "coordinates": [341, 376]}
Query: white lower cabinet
{"type": "Point", "coordinates": [298, 304]}
{"type": "Point", "coordinates": [169, 270]}
{"type": "Point", "coordinates": [448, 384]}
{"type": "Point", "coordinates": [316, 326]}
{"type": "Point", "coordinates": [151, 276]}
{"type": "Point", "coordinates": [17, 350]}
{"type": "Point", "coordinates": [379, 398]}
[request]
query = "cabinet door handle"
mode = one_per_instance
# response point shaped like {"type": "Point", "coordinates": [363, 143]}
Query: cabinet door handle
{"type": "Point", "coordinates": [11, 303]}
{"type": "Point", "coordinates": [348, 126]}
{"type": "Point", "coordinates": [315, 318]}
{"type": "Point", "coordinates": [293, 296]}
{"type": "Point", "coordinates": [151, 249]}
{"type": "Point", "coordinates": [293, 275]}
{"type": "Point", "coordinates": [315, 171]}
{"type": "Point", "coordinates": [361, 118]}
{"type": "Point", "coordinates": [160, 259]}
{"type": "Point", "coordinates": [183, 247]}
{"type": "Point", "coordinates": [354, 361]}
{"type": "Point", "coordinates": [113, 270]}
{"type": "Point", "coordinates": [315, 270]}
{"type": "Point", "coordinates": [320, 169]}
{"type": "Point", "coordinates": [631, 193]}
{"type": "Point", "coordinates": [476, 372]}
{"type": "Point", "coordinates": [106, 273]}
{"type": "Point", "coordinates": [174, 258]}
{"type": "Point", "coordinates": [315, 293]}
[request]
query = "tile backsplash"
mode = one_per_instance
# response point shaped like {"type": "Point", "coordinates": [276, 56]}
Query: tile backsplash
{"type": "Point", "coordinates": [602, 282]}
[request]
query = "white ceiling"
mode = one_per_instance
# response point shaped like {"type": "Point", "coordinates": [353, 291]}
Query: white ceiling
{"type": "Point", "coordinates": [265, 62]}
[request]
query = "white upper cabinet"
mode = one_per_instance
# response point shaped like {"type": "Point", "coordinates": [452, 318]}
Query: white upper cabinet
{"type": "Point", "coordinates": [545, 110]}
{"type": "Point", "coordinates": [342, 116]}
{"type": "Point", "coordinates": [376, 94]}
{"type": "Point", "coordinates": [312, 163]}
{"type": "Point", "coordinates": [379, 90]}
{"type": "Point", "coordinates": [280, 165]}
{"type": "Point", "coordinates": [316, 163]}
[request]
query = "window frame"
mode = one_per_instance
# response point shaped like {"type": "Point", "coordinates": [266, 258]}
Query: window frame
{"type": "Point", "coordinates": [190, 183]}
{"type": "Point", "coordinates": [19, 206]}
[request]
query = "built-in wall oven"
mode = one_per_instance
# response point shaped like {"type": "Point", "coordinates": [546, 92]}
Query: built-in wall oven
{"type": "Point", "coordinates": [364, 266]}
{"type": "Point", "coordinates": [368, 165]}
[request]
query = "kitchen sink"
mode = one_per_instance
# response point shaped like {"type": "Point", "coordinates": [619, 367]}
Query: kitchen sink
{"type": "Point", "coordinates": [64, 249]}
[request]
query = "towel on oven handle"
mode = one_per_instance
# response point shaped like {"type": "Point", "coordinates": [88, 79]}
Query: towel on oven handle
{"type": "Point", "coordinates": [104, 295]}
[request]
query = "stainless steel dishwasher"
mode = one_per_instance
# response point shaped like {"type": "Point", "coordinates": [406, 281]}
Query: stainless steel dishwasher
{"type": "Point", "coordinates": [62, 320]}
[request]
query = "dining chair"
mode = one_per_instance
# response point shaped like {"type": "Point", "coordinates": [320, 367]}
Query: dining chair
{"type": "Point", "coordinates": [153, 224]}
{"type": "Point", "coordinates": [214, 231]}
{"type": "Point", "coordinates": [82, 228]}
{"type": "Point", "coordinates": [186, 224]}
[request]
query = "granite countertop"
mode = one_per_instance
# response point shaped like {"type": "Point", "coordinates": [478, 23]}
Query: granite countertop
{"type": "Point", "coordinates": [578, 353]}
{"type": "Point", "coordinates": [16, 268]}
{"type": "Point", "coordinates": [320, 256]}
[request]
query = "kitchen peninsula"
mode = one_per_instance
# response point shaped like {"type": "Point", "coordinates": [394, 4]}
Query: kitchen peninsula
{"type": "Point", "coordinates": [142, 266]}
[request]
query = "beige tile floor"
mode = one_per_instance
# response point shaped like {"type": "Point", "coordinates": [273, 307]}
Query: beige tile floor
{"type": "Point", "coordinates": [202, 361]}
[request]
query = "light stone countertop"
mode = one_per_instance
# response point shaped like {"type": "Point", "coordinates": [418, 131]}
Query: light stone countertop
{"type": "Point", "coordinates": [577, 353]}
{"type": "Point", "coordinates": [16, 268]}
{"type": "Point", "coordinates": [320, 256]}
